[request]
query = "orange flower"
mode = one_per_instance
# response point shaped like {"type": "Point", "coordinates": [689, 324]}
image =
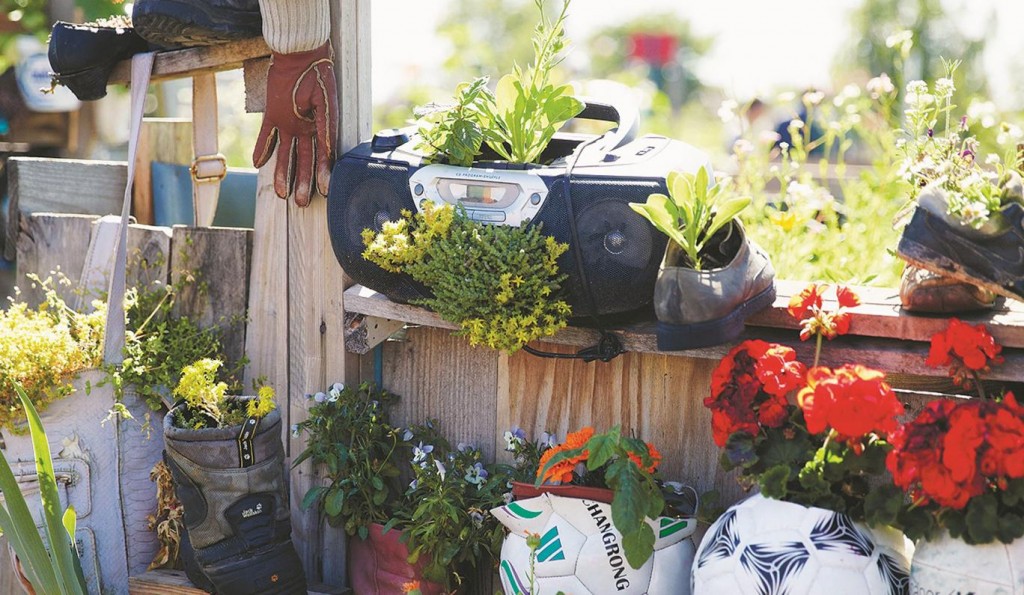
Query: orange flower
{"type": "Point", "coordinates": [847, 297]}
{"type": "Point", "coordinates": [654, 455]}
{"type": "Point", "coordinates": [561, 472]}
{"type": "Point", "coordinates": [411, 587]}
{"type": "Point", "coordinates": [806, 300]}
{"type": "Point", "coordinates": [577, 439]}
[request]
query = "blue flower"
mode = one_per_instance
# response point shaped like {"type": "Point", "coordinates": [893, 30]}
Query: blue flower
{"type": "Point", "coordinates": [476, 474]}
{"type": "Point", "coordinates": [548, 440]}
{"type": "Point", "coordinates": [338, 387]}
{"type": "Point", "coordinates": [413, 484]}
{"type": "Point", "coordinates": [514, 437]}
{"type": "Point", "coordinates": [295, 430]}
{"type": "Point", "coordinates": [420, 452]}
{"type": "Point", "coordinates": [320, 397]}
{"type": "Point", "coordinates": [465, 447]}
{"type": "Point", "coordinates": [478, 518]}
{"type": "Point", "coordinates": [407, 436]}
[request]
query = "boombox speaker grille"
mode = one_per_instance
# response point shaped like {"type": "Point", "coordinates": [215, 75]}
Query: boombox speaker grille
{"type": "Point", "coordinates": [364, 196]}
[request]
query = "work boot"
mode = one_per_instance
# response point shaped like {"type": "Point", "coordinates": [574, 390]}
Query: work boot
{"type": "Point", "coordinates": [82, 56]}
{"type": "Point", "coordinates": [236, 507]}
{"type": "Point", "coordinates": [709, 307]}
{"type": "Point", "coordinates": [923, 291]}
{"type": "Point", "coordinates": [992, 256]}
{"type": "Point", "coordinates": [188, 23]}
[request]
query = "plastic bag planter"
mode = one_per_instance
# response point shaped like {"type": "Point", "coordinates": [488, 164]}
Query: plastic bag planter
{"type": "Point", "coordinates": [948, 565]}
{"type": "Point", "coordinates": [581, 552]}
{"type": "Point", "coordinates": [232, 487]}
{"type": "Point", "coordinates": [379, 565]}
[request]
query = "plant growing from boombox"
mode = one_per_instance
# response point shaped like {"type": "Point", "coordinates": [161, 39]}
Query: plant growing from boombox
{"type": "Point", "coordinates": [500, 284]}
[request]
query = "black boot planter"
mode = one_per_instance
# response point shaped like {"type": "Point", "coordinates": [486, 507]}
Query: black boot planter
{"type": "Point", "coordinates": [231, 483]}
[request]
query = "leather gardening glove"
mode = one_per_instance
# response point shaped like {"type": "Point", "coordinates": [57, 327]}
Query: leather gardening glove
{"type": "Point", "coordinates": [300, 119]}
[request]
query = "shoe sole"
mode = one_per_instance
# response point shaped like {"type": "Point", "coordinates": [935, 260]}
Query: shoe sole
{"type": "Point", "coordinates": [679, 337]}
{"type": "Point", "coordinates": [87, 85]}
{"type": "Point", "coordinates": [922, 256]}
{"type": "Point", "coordinates": [179, 24]}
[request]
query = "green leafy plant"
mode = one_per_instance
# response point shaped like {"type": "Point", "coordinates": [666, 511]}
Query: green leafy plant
{"type": "Point", "coordinates": [57, 570]}
{"type": "Point", "coordinates": [528, 108]}
{"type": "Point", "coordinates": [455, 132]}
{"type": "Point", "coordinates": [694, 213]}
{"type": "Point", "coordinates": [445, 517]}
{"type": "Point", "coordinates": [42, 348]}
{"type": "Point", "coordinates": [207, 404]}
{"type": "Point", "coordinates": [624, 464]}
{"type": "Point", "coordinates": [500, 284]}
{"type": "Point", "coordinates": [349, 432]}
{"type": "Point", "coordinates": [442, 514]}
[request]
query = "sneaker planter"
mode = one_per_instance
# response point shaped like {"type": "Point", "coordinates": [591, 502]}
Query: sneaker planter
{"type": "Point", "coordinates": [992, 257]}
{"type": "Point", "coordinates": [709, 307]}
{"type": "Point", "coordinates": [231, 483]}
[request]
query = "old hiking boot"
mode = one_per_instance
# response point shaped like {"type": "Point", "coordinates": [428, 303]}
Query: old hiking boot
{"type": "Point", "coordinates": [187, 23]}
{"type": "Point", "coordinates": [709, 307]}
{"type": "Point", "coordinates": [992, 257]}
{"type": "Point", "coordinates": [923, 291]}
{"type": "Point", "coordinates": [82, 56]}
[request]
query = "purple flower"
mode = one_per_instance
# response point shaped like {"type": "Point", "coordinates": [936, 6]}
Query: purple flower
{"type": "Point", "coordinates": [420, 452]}
{"type": "Point", "coordinates": [476, 474]}
{"type": "Point", "coordinates": [514, 437]}
{"type": "Point", "coordinates": [320, 397]}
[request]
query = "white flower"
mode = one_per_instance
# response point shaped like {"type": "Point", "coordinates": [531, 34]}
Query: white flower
{"type": "Point", "coordinates": [917, 87]}
{"type": "Point", "coordinates": [338, 387]}
{"type": "Point", "coordinates": [992, 159]}
{"type": "Point", "coordinates": [334, 395]}
{"type": "Point", "coordinates": [880, 85]}
{"type": "Point", "coordinates": [796, 124]}
{"type": "Point", "coordinates": [768, 137]}
{"type": "Point", "coordinates": [295, 430]}
{"type": "Point", "coordinates": [904, 40]}
{"type": "Point", "coordinates": [742, 147]}
{"type": "Point", "coordinates": [944, 88]}
{"type": "Point", "coordinates": [727, 111]}
{"type": "Point", "coordinates": [420, 452]}
{"type": "Point", "coordinates": [785, 97]}
{"type": "Point", "coordinates": [813, 97]}
{"type": "Point", "coordinates": [975, 213]}
{"type": "Point", "coordinates": [1008, 134]}
{"type": "Point", "coordinates": [440, 469]}
{"type": "Point", "coordinates": [983, 112]}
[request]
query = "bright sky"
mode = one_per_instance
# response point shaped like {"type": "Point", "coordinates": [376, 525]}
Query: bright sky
{"type": "Point", "coordinates": [760, 46]}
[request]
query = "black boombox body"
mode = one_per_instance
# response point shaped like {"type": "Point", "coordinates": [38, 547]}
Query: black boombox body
{"type": "Point", "coordinates": [581, 198]}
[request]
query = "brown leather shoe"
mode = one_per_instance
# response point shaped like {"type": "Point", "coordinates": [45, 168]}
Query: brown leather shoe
{"type": "Point", "coordinates": [924, 291]}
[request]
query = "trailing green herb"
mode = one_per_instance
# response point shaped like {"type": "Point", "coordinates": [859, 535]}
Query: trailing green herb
{"type": "Point", "coordinates": [455, 132]}
{"type": "Point", "coordinates": [500, 284]}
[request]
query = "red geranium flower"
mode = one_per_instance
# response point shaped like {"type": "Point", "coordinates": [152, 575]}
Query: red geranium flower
{"type": "Point", "coordinates": [846, 297]}
{"type": "Point", "coordinates": [962, 344]}
{"type": "Point", "coordinates": [737, 392]}
{"type": "Point", "coordinates": [853, 400]}
{"type": "Point", "coordinates": [805, 301]}
{"type": "Point", "coordinates": [780, 371]}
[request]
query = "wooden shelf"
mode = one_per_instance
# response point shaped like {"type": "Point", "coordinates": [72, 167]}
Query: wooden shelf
{"type": "Point", "coordinates": [881, 335]}
{"type": "Point", "coordinates": [187, 62]}
{"type": "Point", "coordinates": [174, 582]}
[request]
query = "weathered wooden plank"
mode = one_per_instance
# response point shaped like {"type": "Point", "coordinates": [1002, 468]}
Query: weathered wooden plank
{"type": "Point", "coordinates": [363, 333]}
{"type": "Point", "coordinates": [441, 376]}
{"type": "Point", "coordinates": [149, 256]}
{"type": "Point", "coordinates": [254, 74]}
{"type": "Point", "coordinates": [266, 338]}
{"type": "Point", "coordinates": [167, 140]}
{"type": "Point", "coordinates": [890, 355]}
{"type": "Point", "coordinates": [51, 242]}
{"type": "Point", "coordinates": [190, 61]}
{"type": "Point", "coordinates": [38, 185]}
{"type": "Point", "coordinates": [219, 258]}
{"type": "Point", "coordinates": [174, 582]}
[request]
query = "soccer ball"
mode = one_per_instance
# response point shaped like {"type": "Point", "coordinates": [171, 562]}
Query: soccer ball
{"type": "Point", "coordinates": [949, 565]}
{"type": "Point", "coordinates": [580, 551]}
{"type": "Point", "coordinates": [770, 547]}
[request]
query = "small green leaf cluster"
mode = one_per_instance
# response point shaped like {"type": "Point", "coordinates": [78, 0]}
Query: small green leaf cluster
{"type": "Point", "coordinates": [42, 348]}
{"type": "Point", "coordinates": [694, 214]}
{"type": "Point", "coordinates": [788, 463]}
{"type": "Point", "coordinates": [626, 465]}
{"type": "Point", "coordinates": [159, 344]}
{"type": "Point", "coordinates": [519, 118]}
{"type": "Point", "coordinates": [455, 132]}
{"type": "Point", "coordinates": [349, 433]}
{"type": "Point", "coordinates": [446, 520]}
{"type": "Point", "coordinates": [499, 283]}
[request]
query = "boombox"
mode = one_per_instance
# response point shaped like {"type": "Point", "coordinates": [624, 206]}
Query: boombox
{"type": "Point", "coordinates": [580, 197]}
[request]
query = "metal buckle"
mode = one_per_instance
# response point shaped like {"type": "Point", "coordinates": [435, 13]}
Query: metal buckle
{"type": "Point", "coordinates": [194, 168]}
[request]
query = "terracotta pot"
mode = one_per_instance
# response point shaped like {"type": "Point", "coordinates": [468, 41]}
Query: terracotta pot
{"type": "Point", "coordinates": [521, 490]}
{"type": "Point", "coordinates": [948, 565]}
{"type": "Point", "coordinates": [378, 565]}
{"type": "Point", "coordinates": [762, 545]}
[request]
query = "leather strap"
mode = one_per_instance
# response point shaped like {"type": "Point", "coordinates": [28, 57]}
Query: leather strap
{"type": "Point", "coordinates": [113, 336]}
{"type": "Point", "coordinates": [208, 167]}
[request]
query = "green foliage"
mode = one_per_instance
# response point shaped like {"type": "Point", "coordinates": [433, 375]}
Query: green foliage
{"type": "Point", "coordinates": [695, 212]}
{"type": "Point", "coordinates": [455, 131]}
{"type": "Point", "coordinates": [349, 432]}
{"type": "Point", "coordinates": [637, 494]}
{"type": "Point", "coordinates": [446, 517]}
{"type": "Point", "coordinates": [500, 284]}
{"type": "Point", "coordinates": [206, 404]}
{"type": "Point", "coordinates": [42, 348]}
{"type": "Point", "coordinates": [59, 569]}
{"type": "Point", "coordinates": [994, 516]}
{"type": "Point", "coordinates": [158, 344]}
{"type": "Point", "coordinates": [528, 108]}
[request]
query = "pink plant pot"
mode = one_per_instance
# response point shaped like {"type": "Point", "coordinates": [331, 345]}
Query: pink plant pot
{"type": "Point", "coordinates": [378, 565]}
{"type": "Point", "coordinates": [522, 490]}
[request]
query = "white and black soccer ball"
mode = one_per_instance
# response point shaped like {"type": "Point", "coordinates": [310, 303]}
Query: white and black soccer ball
{"type": "Point", "coordinates": [580, 551]}
{"type": "Point", "coordinates": [770, 547]}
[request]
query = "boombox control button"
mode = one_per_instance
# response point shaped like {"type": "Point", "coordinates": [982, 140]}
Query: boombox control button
{"type": "Point", "coordinates": [490, 217]}
{"type": "Point", "coordinates": [418, 189]}
{"type": "Point", "coordinates": [535, 198]}
{"type": "Point", "coordinates": [388, 140]}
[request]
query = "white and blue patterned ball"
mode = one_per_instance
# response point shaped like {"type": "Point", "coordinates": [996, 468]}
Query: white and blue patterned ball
{"type": "Point", "coordinates": [770, 547]}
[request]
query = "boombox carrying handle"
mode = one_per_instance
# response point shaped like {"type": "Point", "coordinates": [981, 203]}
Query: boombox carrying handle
{"type": "Point", "coordinates": [622, 111]}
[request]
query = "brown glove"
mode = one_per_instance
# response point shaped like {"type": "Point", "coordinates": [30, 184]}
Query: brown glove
{"type": "Point", "coordinates": [301, 118]}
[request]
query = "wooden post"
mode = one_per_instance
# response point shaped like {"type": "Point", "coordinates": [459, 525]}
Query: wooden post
{"type": "Point", "coordinates": [167, 140]}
